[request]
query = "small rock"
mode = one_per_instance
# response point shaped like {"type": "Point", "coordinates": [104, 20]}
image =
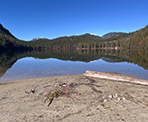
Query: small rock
{"type": "Point", "coordinates": [32, 90]}
{"type": "Point", "coordinates": [110, 96]}
{"type": "Point", "coordinates": [123, 98]}
{"type": "Point", "coordinates": [64, 84]}
{"type": "Point", "coordinates": [79, 94]}
{"type": "Point", "coordinates": [115, 96]}
{"type": "Point", "coordinates": [118, 98]}
{"type": "Point", "coordinates": [105, 100]}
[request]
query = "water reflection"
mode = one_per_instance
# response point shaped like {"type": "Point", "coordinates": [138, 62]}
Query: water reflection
{"type": "Point", "coordinates": [56, 63]}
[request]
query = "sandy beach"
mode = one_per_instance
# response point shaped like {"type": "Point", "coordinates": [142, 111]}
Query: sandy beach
{"type": "Point", "coordinates": [89, 100]}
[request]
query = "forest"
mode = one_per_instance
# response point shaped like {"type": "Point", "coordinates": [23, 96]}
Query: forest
{"type": "Point", "coordinates": [134, 40]}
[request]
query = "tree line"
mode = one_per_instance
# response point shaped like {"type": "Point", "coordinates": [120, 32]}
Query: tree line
{"type": "Point", "coordinates": [135, 40]}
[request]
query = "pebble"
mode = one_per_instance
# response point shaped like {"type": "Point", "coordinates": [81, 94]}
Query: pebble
{"type": "Point", "coordinates": [32, 90]}
{"type": "Point", "coordinates": [110, 96]}
{"type": "Point", "coordinates": [118, 98]}
{"type": "Point", "coordinates": [64, 84]}
{"type": "Point", "coordinates": [123, 98]}
{"type": "Point", "coordinates": [79, 94]}
{"type": "Point", "coordinates": [105, 100]}
{"type": "Point", "coordinates": [115, 97]}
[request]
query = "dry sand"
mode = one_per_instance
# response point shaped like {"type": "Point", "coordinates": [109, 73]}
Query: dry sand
{"type": "Point", "coordinates": [90, 101]}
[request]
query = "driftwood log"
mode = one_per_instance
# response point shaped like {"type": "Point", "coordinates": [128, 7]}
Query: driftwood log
{"type": "Point", "coordinates": [116, 77]}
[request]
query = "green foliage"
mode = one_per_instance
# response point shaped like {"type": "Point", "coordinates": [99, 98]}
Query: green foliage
{"type": "Point", "coordinates": [54, 94]}
{"type": "Point", "coordinates": [10, 43]}
{"type": "Point", "coordinates": [135, 40]}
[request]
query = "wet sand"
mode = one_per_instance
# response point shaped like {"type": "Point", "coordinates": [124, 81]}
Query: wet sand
{"type": "Point", "coordinates": [88, 101]}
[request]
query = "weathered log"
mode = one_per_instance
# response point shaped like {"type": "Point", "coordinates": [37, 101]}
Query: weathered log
{"type": "Point", "coordinates": [116, 77]}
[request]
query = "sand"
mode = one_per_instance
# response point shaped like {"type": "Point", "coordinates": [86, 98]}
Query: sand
{"type": "Point", "coordinates": [87, 101]}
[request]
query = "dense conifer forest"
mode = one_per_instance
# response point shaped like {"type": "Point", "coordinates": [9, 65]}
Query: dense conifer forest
{"type": "Point", "coordinates": [134, 40]}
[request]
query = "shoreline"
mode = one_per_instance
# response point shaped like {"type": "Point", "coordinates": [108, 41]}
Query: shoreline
{"type": "Point", "coordinates": [74, 75]}
{"type": "Point", "coordinates": [39, 78]}
{"type": "Point", "coordinates": [89, 100]}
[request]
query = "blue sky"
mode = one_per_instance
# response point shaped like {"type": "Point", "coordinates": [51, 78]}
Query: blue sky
{"type": "Point", "coordinates": [27, 19]}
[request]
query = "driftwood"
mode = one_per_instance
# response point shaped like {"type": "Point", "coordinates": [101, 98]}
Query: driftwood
{"type": "Point", "coordinates": [116, 77]}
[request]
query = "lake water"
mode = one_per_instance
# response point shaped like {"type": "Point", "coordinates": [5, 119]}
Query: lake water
{"type": "Point", "coordinates": [29, 67]}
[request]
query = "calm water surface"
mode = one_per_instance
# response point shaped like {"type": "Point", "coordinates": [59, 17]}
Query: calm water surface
{"type": "Point", "coordinates": [35, 68]}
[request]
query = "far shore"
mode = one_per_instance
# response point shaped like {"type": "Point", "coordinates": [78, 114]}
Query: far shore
{"type": "Point", "coordinates": [90, 99]}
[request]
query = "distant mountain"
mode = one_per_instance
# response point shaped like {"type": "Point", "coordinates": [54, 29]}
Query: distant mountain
{"type": "Point", "coordinates": [93, 36]}
{"type": "Point", "coordinates": [112, 34]}
{"type": "Point", "coordinates": [106, 36]}
{"type": "Point", "coordinates": [5, 31]}
{"type": "Point", "coordinates": [38, 38]}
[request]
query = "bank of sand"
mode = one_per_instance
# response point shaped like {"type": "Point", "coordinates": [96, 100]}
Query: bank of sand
{"type": "Point", "coordinates": [90, 101]}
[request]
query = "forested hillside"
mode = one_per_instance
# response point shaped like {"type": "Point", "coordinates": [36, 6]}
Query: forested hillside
{"type": "Point", "coordinates": [5, 31]}
{"type": "Point", "coordinates": [9, 42]}
{"type": "Point", "coordinates": [138, 39]}
{"type": "Point", "coordinates": [135, 40]}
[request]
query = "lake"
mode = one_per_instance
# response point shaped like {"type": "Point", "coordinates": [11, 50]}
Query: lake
{"type": "Point", "coordinates": [36, 64]}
